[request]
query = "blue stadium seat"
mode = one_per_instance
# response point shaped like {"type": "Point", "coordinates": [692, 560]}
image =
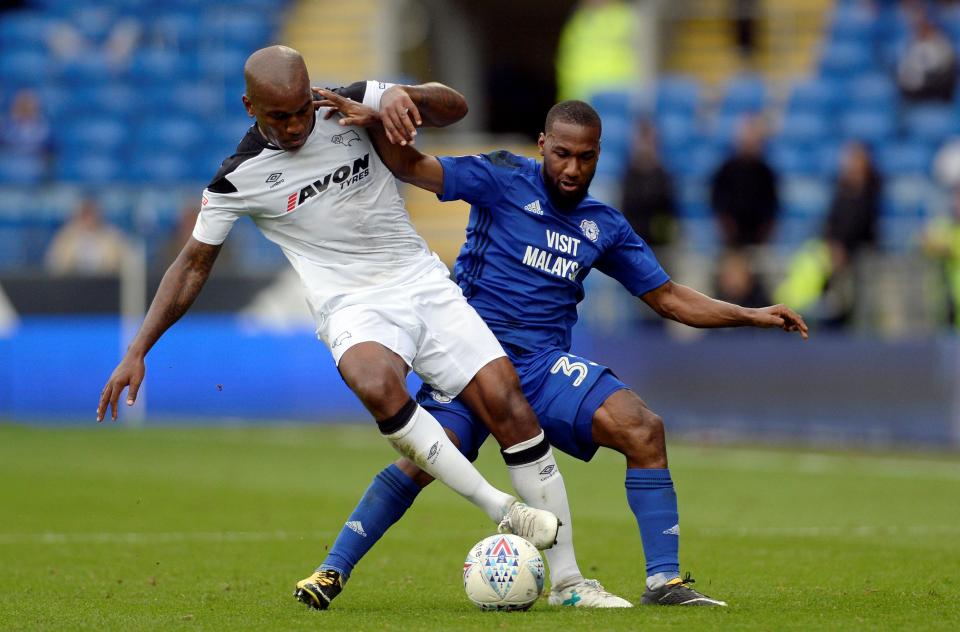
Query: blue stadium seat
{"type": "Point", "coordinates": [930, 123]}
{"type": "Point", "coordinates": [746, 93]}
{"type": "Point", "coordinates": [793, 159]}
{"type": "Point", "coordinates": [25, 68]}
{"type": "Point", "coordinates": [899, 234]}
{"type": "Point", "coordinates": [872, 126]}
{"type": "Point", "coordinates": [907, 196]}
{"type": "Point", "coordinates": [95, 134]}
{"type": "Point", "coordinates": [161, 66]}
{"type": "Point", "coordinates": [93, 168]}
{"type": "Point", "coordinates": [804, 128]}
{"type": "Point", "coordinates": [174, 133]}
{"type": "Point", "coordinates": [225, 63]}
{"type": "Point", "coordinates": [852, 22]}
{"type": "Point", "coordinates": [163, 168]}
{"type": "Point", "coordinates": [115, 98]}
{"type": "Point", "coordinates": [238, 28]}
{"type": "Point", "coordinates": [676, 93]}
{"type": "Point", "coordinates": [616, 103]}
{"type": "Point", "coordinates": [698, 161]}
{"type": "Point", "coordinates": [814, 94]}
{"type": "Point", "coordinates": [904, 158]}
{"type": "Point", "coordinates": [19, 169]}
{"type": "Point", "coordinates": [198, 97]}
{"type": "Point", "coordinates": [872, 91]}
{"type": "Point", "coordinates": [843, 60]}
{"type": "Point", "coordinates": [807, 197]}
{"type": "Point", "coordinates": [23, 31]}
{"type": "Point", "coordinates": [676, 130]}
{"type": "Point", "coordinates": [701, 234]}
{"type": "Point", "coordinates": [176, 30]}
{"type": "Point", "coordinates": [790, 232]}
{"type": "Point", "coordinates": [694, 198]}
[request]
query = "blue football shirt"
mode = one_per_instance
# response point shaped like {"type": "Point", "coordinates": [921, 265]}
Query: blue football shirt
{"type": "Point", "coordinates": [524, 261]}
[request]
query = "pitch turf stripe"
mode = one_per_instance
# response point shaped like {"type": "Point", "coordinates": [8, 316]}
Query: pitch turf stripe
{"type": "Point", "coordinates": [891, 467]}
{"type": "Point", "coordinates": [863, 531]}
{"type": "Point", "coordinates": [160, 537]}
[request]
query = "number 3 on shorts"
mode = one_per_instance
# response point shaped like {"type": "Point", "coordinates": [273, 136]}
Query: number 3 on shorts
{"type": "Point", "coordinates": [569, 368]}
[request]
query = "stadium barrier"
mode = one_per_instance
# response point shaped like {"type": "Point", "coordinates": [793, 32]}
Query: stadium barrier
{"type": "Point", "coordinates": [731, 386]}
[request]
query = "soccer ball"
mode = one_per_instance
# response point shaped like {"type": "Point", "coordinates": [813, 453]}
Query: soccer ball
{"type": "Point", "coordinates": [503, 572]}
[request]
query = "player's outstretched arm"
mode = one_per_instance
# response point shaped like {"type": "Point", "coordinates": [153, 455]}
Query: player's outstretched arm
{"type": "Point", "coordinates": [179, 288]}
{"type": "Point", "coordinates": [405, 162]}
{"type": "Point", "coordinates": [685, 305]}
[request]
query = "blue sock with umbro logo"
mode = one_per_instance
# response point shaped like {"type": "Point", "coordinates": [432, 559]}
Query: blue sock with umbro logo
{"type": "Point", "coordinates": [386, 500]}
{"type": "Point", "coordinates": [653, 501]}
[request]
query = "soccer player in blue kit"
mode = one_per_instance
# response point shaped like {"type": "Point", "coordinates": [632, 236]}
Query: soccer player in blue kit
{"type": "Point", "coordinates": [533, 235]}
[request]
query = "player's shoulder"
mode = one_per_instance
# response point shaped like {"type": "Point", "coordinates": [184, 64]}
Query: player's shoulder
{"type": "Point", "coordinates": [508, 161]}
{"type": "Point", "coordinates": [251, 146]}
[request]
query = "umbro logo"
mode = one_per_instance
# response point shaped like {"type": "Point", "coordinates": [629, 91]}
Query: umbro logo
{"type": "Point", "coordinates": [357, 527]}
{"type": "Point", "coordinates": [547, 472]}
{"type": "Point", "coordinates": [339, 340]}
{"type": "Point", "coordinates": [434, 452]}
{"type": "Point", "coordinates": [273, 177]}
{"type": "Point", "coordinates": [534, 207]}
{"type": "Point", "coordinates": [674, 530]}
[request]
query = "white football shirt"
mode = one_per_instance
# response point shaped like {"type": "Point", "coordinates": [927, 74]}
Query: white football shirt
{"type": "Point", "coordinates": [332, 206]}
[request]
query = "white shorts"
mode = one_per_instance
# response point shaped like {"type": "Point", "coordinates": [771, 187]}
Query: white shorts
{"type": "Point", "coordinates": [427, 322]}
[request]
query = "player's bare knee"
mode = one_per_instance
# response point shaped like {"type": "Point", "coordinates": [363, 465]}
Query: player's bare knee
{"type": "Point", "coordinates": [380, 391]}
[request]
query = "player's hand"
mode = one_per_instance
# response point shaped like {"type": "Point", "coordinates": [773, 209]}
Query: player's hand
{"type": "Point", "coordinates": [130, 373]}
{"type": "Point", "coordinates": [351, 112]}
{"type": "Point", "coordinates": [782, 317]}
{"type": "Point", "coordinates": [400, 116]}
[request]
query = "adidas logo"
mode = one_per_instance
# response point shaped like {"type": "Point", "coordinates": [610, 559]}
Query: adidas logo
{"type": "Point", "coordinates": [534, 207]}
{"type": "Point", "coordinates": [357, 527]}
{"type": "Point", "coordinates": [674, 530]}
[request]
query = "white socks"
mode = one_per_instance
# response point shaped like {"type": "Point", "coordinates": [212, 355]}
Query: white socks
{"type": "Point", "coordinates": [540, 485]}
{"type": "Point", "coordinates": [423, 441]}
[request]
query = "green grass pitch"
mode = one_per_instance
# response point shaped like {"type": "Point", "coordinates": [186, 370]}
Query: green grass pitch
{"type": "Point", "coordinates": [209, 529]}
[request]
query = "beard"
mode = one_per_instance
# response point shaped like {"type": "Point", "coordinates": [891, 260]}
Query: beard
{"type": "Point", "coordinates": [562, 199]}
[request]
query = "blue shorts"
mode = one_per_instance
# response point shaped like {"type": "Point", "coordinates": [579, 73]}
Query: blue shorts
{"type": "Point", "coordinates": [564, 390]}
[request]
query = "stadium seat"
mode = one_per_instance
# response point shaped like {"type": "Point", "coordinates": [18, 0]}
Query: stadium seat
{"type": "Point", "coordinates": [872, 126]}
{"type": "Point", "coordinates": [237, 28]}
{"type": "Point", "coordinates": [167, 168]}
{"type": "Point", "coordinates": [805, 196]}
{"type": "Point", "coordinates": [904, 158]}
{"type": "Point", "coordinates": [746, 93]}
{"type": "Point", "coordinates": [852, 21]}
{"type": "Point", "coordinates": [174, 133]}
{"type": "Point", "coordinates": [930, 123]}
{"type": "Point", "coordinates": [95, 133]}
{"type": "Point", "coordinates": [814, 95]}
{"type": "Point", "coordinates": [225, 63]}
{"type": "Point", "coordinates": [793, 159]}
{"type": "Point", "coordinates": [161, 66]}
{"type": "Point", "coordinates": [872, 91]}
{"type": "Point", "coordinates": [20, 169]}
{"type": "Point", "coordinates": [843, 60]}
{"type": "Point", "coordinates": [676, 130]}
{"type": "Point", "coordinates": [24, 68]}
{"type": "Point", "coordinates": [790, 232]}
{"type": "Point", "coordinates": [907, 196]}
{"type": "Point", "coordinates": [93, 168]}
{"type": "Point", "coordinates": [899, 234]}
{"type": "Point", "coordinates": [675, 93]}
{"type": "Point", "coordinates": [23, 31]}
{"type": "Point", "coordinates": [804, 128]}
{"type": "Point", "coordinates": [615, 103]}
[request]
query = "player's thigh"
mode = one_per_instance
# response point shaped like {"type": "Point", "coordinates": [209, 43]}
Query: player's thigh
{"type": "Point", "coordinates": [373, 348]}
{"type": "Point", "coordinates": [495, 398]}
{"type": "Point", "coordinates": [566, 391]}
{"type": "Point", "coordinates": [456, 344]}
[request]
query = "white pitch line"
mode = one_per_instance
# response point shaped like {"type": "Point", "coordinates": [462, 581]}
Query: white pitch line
{"type": "Point", "coordinates": [159, 537]}
{"type": "Point", "coordinates": [862, 531]}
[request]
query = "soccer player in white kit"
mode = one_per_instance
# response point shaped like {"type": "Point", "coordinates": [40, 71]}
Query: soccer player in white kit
{"type": "Point", "coordinates": [383, 302]}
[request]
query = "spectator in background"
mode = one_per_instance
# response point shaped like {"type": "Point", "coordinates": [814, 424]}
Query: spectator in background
{"type": "Point", "coordinates": [941, 240]}
{"type": "Point", "coordinates": [927, 70]}
{"type": "Point", "coordinates": [744, 14]}
{"type": "Point", "coordinates": [737, 282]}
{"type": "Point", "coordinates": [86, 244]}
{"type": "Point", "coordinates": [851, 227]}
{"type": "Point", "coordinates": [649, 203]}
{"type": "Point", "coordinates": [170, 249]}
{"type": "Point", "coordinates": [597, 49]}
{"type": "Point", "coordinates": [822, 274]}
{"type": "Point", "coordinates": [744, 190]}
{"type": "Point", "coordinates": [26, 132]}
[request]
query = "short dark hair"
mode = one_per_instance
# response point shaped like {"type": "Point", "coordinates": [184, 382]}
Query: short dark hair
{"type": "Point", "coordinates": [573, 112]}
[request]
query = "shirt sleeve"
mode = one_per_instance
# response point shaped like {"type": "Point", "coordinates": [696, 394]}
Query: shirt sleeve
{"type": "Point", "coordinates": [218, 212]}
{"type": "Point", "coordinates": [631, 262]}
{"type": "Point", "coordinates": [473, 179]}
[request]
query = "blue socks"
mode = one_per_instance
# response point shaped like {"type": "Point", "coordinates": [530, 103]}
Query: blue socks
{"type": "Point", "coordinates": [653, 501]}
{"type": "Point", "coordinates": [389, 496]}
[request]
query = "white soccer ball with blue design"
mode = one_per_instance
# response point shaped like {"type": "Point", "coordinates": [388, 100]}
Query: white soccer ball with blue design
{"type": "Point", "coordinates": [503, 572]}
